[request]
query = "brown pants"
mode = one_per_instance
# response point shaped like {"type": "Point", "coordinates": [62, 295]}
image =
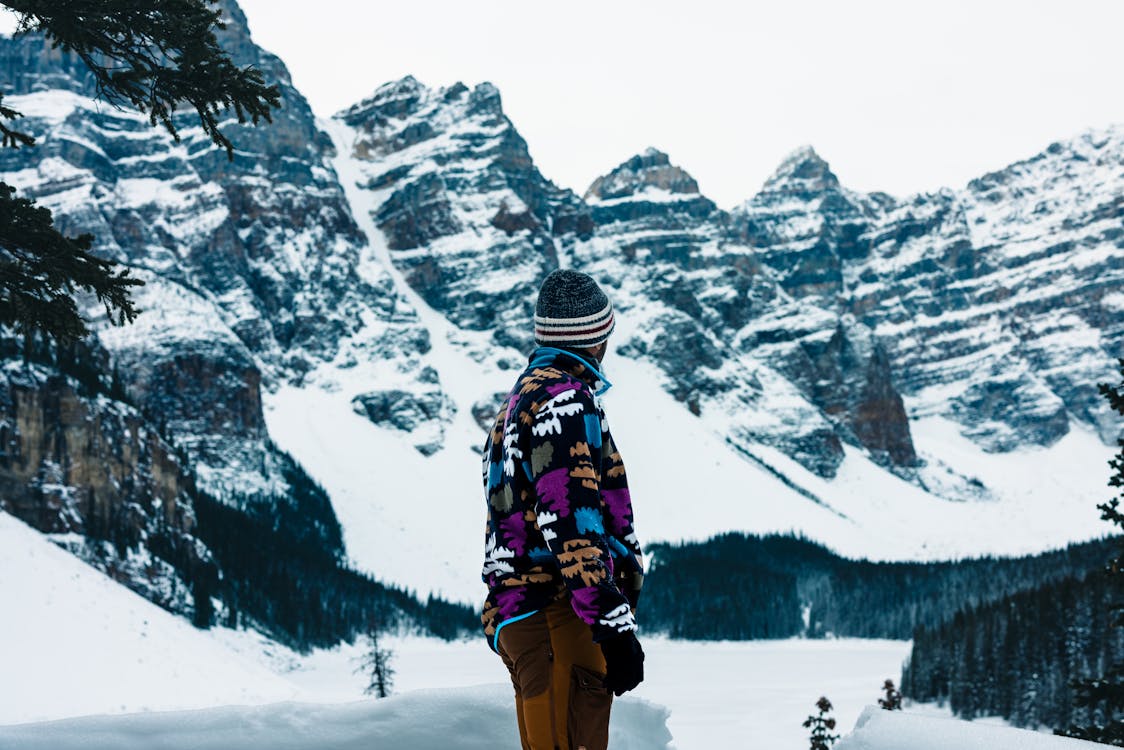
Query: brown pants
{"type": "Point", "coordinates": [558, 673]}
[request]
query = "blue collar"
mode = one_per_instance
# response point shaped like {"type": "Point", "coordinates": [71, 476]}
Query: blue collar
{"type": "Point", "coordinates": [603, 383]}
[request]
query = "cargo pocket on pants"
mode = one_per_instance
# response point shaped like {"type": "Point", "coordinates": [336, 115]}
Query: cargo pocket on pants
{"type": "Point", "coordinates": [588, 721]}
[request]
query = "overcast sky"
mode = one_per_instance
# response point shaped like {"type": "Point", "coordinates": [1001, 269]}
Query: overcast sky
{"type": "Point", "coordinates": [899, 96]}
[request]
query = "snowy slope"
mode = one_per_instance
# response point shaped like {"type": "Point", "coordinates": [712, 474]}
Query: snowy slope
{"type": "Point", "coordinates": [720, 694]}
{"type": "Point", "coordinates": [73, 641]}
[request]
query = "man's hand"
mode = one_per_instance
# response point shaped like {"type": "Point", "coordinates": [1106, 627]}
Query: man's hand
{"type": "Point", "coordinates": [624, 663]}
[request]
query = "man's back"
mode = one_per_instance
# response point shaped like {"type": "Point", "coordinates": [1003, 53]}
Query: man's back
{"type": "Point", "coordinates": [562, 564]}
{"type": "Point", "coordinates": [560, 516]}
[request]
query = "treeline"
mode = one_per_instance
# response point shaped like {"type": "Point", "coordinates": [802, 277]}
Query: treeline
{"type": "Point", "coordinates": [1019, 657]}
{"type": "Point", "coordinates": [278, 566]}
{"type": "Point", "coordinates": [739, 586]}
{"type": "Point", "coordinates": [1050, 656]}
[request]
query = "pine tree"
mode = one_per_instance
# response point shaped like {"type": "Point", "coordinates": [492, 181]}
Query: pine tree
{"type": "Point", "coordinates": [821, 725]}
{"type": "Point", "coordinates": [376, 664]}
{"type": "Point", "coordinates": [204, 614]}
{"type": "Point", "coordinates": [42, 269]}
{"type": "Point", "coordinates": [892, 697]}
{"type": "Point", "coordinates": [1104, 695]}
{"type": "Point", "coordinates": [154, 55]}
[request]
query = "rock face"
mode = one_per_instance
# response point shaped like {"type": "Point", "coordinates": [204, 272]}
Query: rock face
{"type": "Point", "coordinates": [997, 305]}
{"type": "Point", "coordinates": [725, 328]}
{"type": "Point", "coordinates": [467, 217]}
{"type": "Point", "coordinates": [67, 456]}
{"type": "Point", "coordinates": [422, 412]}
{"type": "Point", "coordinates": [804, 225]}
{"type": "Point", "coordinates": [253, 265]}
{"type": "Point", "coordinates": [809, 318]}
{"type": "Point", "coordinates": [75, 463]}
{"type": "Point", "coordinates": [651, 171]}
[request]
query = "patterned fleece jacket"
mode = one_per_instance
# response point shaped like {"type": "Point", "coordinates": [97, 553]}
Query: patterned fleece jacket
{"type": "Point", "coordinates": [559, 512]}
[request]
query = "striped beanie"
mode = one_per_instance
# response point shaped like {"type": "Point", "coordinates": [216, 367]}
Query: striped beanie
{"type": "Point", "coordinates": [572, 311]}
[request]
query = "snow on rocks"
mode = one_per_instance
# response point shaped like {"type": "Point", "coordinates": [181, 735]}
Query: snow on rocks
{"type": "Point", "coordinates": [467, 217]}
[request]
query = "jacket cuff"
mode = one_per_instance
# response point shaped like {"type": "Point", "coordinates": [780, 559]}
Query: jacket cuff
{"type": "Point", "coordinates": [617, 621]}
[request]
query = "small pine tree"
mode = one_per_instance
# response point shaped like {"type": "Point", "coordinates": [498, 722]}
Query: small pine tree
{"type": "Point", "coordinates": [204, 615]}
{"type": "Point", "coordinates": [821, 725]}
{"type": "Point", "coordinates": [376, 664]}
{"type": "Point", "coordinates": [1104, 695]}
{"type": "Point", "coordinates": [892, 697]}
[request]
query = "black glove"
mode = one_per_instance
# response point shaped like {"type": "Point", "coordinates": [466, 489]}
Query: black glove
{"type": "Point", "coordinates": [624, 663]}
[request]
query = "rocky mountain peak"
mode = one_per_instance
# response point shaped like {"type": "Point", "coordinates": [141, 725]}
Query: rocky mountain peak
{"type": "Point", "coordinates": [485, 97]}
{"type": "Point", "coordinates": [460, 199]}
{"type": "Point", "coordinates": [408, 97]}
{"type": "Point", "coordinates": [405, 86]}
{"type": "Point", "coordinates": [238, 42]}
{"type": "Point", "coordinates": [802, 171]}
{"type": "Point", "coordinates": [1100, 149]}
{"type": "Point", "coordinates": [651, 169]}
{"type": "Point", "coordinates": [398, 98]}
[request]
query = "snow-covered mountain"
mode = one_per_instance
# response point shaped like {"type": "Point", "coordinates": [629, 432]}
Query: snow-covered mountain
{"type": "Point", "coordinates": [253, 274]}
{"type": "Point", "coordinates": [897, 377]}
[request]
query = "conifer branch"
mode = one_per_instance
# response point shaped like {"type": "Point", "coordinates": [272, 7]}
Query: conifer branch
{"type": "Point", "coordinates": [155, 56]}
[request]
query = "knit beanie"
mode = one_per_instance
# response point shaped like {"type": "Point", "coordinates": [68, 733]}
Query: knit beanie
{"type": "Point", "coordinates": [572, 311]}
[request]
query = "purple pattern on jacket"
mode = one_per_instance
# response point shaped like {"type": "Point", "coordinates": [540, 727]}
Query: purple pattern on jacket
{"type": "Point", "coordinates": [552, 491]}
{"type": "Point", "coordinates": [516, 529]}
{"type": "Point", "coordinates": [619, 503]}
{"type": "Point", "coordinates": [555, 388]}
{"type": "Point", "coordinates": [509, 600]}
{"type": "Point", "coordinates": [585, 604]}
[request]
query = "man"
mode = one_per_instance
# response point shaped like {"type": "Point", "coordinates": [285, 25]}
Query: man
{"type": "Point", "coordinates": [562, 563]}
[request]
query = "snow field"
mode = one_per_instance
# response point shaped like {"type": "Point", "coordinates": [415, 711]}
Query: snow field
{"type": "Point", "coordinates": [755, 694]}
{"type": "Point", "coordinates": [894, 730]}
{"type": "Point", "coordinates": [467, 718]}
{"type": "Point", "coordinates": [73, 641]}
{"type": "Point", "coordinates": [723, 694]}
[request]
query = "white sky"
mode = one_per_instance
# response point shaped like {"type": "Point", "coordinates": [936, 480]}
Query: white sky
{"type": "Point", "coordinates": [897, 95]}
